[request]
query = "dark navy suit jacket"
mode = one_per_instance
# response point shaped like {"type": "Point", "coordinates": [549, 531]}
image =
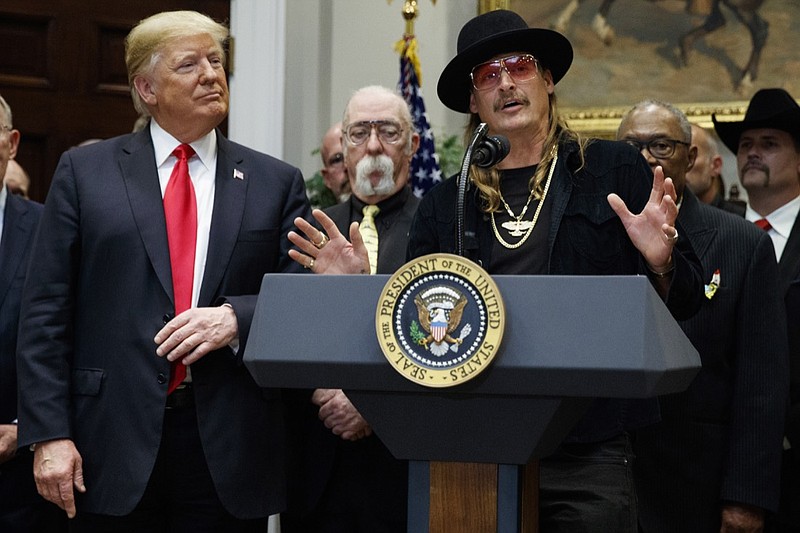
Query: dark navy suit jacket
{"type": "Point", "coordinates": [19, 226]}
{"type": "Point", "coordinates": [87, 365]}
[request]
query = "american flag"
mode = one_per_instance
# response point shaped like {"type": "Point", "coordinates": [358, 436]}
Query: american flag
{"type": "Point", "coordinates": [425, 171]}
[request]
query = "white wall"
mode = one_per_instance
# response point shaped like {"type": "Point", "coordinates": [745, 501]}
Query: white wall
{"type": "Point", "coordinates": [321, 51]}
{"type": "Point", "coordinates": [352, 43]}
{"type": "Point", "coordinates": [257, 83]}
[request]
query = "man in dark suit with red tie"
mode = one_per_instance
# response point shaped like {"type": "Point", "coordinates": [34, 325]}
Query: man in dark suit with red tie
{"type": "Point", "coordinates": [767, 148]}
{"type": "Point", "coordinates": [150, 254]}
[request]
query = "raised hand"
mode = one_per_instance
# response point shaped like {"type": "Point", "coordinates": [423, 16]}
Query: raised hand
{"type": "Point", "coordinates": [328, 251]}
{"type": "Point", "coordinates": [652, 231]}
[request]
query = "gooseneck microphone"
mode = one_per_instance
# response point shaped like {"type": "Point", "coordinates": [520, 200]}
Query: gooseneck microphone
{"type": "Point", "coordinates": [491, 151]}
{"type": "Point", "coordinates": [484, 151]}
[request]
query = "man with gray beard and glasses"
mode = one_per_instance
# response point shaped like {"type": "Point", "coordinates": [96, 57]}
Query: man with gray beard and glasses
{"type": "Point", "coordinates": [346, 479]}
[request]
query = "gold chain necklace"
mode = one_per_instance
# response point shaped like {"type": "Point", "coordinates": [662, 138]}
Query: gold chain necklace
{"type": "Point", "coordinates": [518, 223]}
{"type": "Point", "coordinates": [516, 226]}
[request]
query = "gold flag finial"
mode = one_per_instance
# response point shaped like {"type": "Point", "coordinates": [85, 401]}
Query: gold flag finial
{"type": "Point", "coordinates": [407, 46]}
{"type": "Point", "coordinates": [484, 6]}
{"type": "Point", "coordinates": [410, 13]}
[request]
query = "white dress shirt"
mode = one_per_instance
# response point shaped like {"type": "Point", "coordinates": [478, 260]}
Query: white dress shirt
{"type": "Point", "coordinates": [781, 220]}
{"type": "Point", "coordinates": [202, 170]}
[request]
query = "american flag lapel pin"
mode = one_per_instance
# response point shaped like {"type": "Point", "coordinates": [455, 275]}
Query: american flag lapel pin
{"type": "Point", "coordinates": [238, 174]}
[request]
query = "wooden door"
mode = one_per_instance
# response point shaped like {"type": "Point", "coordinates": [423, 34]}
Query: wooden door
{"type": "Point", "coordinates": [63, 72]}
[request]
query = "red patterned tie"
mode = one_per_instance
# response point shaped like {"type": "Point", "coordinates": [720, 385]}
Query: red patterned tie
{"type": "Point", "coordinates": [180, 209]}
{"type": "Point", "coordinates": [763, 224]}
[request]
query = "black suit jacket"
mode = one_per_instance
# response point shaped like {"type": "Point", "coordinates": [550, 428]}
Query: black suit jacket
{"type": "Point", "coordinates": [721, 440]}
{"type": "Point", "coordinates": [789, 265]}
{"type": "Point", "coordinates": [87, 364]}
{"type": "Point", "coordinates": [363, 473]}
{"type": "Point", "coordinates": [19, 226]}
{"type": "Point", "coordinates": [789, 271]}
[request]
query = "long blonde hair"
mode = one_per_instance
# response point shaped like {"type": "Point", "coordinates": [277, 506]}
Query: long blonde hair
{"type": "Point", "coordinates": [488, 180]}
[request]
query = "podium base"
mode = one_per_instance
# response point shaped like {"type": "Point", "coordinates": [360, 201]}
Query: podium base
{"type": "Point", "coordinates": [449, 497]}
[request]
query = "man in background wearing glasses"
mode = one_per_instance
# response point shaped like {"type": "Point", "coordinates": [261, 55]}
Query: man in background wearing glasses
{"type": "Point", "coordinates": [713, 462]}
{"type": "Point", "coordinates": [348, 480]}
{"type": "Point", "coordinates": [22, 510]}
{"type": "Point", "coordinates": [334, 175]}
{"type": "Point", "coordinates": [555, 205]}
{"type": "Point", "coordinates": [704, 179]}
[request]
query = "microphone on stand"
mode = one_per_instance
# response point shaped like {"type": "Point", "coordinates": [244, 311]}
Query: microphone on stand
{"type": "Point", "coordinates": [484, 151]}
{"type": "Point", "coordinates": [491, 151]}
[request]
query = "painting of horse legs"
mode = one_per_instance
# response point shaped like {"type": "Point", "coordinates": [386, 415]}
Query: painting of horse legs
{"type": "Point", "coordinates": [676, 50]}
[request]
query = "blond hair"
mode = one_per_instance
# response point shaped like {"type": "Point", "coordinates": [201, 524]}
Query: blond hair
{"type": "Point", "coordinates": [146, 40]}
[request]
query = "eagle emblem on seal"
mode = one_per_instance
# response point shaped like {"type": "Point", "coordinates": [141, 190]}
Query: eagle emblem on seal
{"type": "Point", "coordinates": [440, 310]}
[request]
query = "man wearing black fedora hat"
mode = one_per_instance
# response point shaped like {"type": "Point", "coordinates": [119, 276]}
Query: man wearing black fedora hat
{"type": "Point", "coordinates": [559, 205]}
{"type": "Point", "coordinates": [554, 205]}
{"type": "Point", "coordinates": [767, 148]}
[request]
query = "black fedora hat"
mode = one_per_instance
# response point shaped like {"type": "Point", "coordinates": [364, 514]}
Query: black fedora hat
{"type": "Point", "coordinates": [769, 108]}
{"type": "Point", "coordinates": [493, 33]}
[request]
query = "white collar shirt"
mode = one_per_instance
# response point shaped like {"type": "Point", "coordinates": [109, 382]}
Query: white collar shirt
{"type": "Point", "coordinates": [202, 170]}
{"type": "Point", "coordinates": [781, 221]}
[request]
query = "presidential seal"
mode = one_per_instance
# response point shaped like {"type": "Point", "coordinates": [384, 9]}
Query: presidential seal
{"type": "Point", "coordinates": [440, 320]}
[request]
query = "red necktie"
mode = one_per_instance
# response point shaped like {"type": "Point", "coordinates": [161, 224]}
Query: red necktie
{"type": "Point", "coordinates": [763, 224]}
{"type": "Point", "coordinates": [180, 210]}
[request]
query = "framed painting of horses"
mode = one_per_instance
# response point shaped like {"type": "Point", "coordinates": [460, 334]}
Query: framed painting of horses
{"type": "Point", "coordinates": [706, 56]}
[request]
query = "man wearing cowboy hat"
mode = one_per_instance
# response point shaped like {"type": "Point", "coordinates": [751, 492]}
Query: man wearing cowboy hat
{"type": "Point", "coordinates": [767, 148]}
{"type": "Point", "coordinates": [555, 206]}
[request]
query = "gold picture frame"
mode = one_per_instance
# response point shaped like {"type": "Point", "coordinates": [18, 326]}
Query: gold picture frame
{"type": "Point", "coordinates": [643, 62]}
{"type": "Point", "coordinates": [603, 121]}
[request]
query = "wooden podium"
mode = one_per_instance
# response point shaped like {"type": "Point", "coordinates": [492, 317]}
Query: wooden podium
{"type": "Point", "coordinates": [568, 339]}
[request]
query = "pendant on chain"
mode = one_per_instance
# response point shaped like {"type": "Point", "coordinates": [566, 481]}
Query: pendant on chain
{"type": "Point", "coordinates": [517, 228]}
